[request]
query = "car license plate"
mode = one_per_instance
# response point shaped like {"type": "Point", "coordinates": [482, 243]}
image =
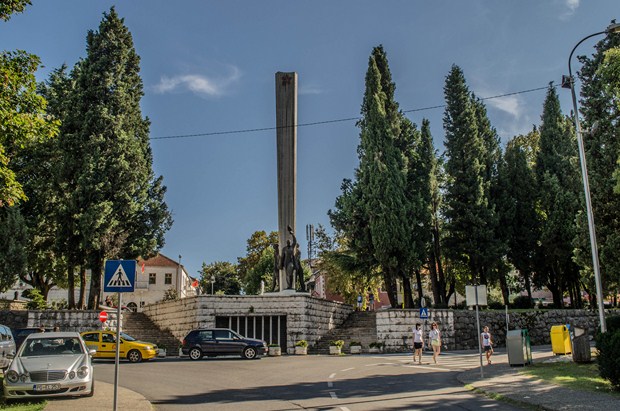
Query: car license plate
{"type": "Point", "coordinates": [46, 387]}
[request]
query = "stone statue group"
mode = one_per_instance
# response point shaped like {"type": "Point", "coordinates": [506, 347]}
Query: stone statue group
{"type": "Point", "coordinates": [288, 260]}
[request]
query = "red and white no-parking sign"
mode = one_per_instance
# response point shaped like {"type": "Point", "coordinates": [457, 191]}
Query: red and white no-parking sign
{"type": "Point", "coordinates": [103, 316]}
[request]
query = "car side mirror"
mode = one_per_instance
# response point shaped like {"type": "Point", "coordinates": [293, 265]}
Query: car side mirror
{"type": "Point", "coordinates": [92, 352]}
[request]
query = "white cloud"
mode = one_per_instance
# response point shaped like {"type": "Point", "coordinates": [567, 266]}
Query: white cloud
{"type": "Point", "coordinates": [509, 104]}
{"type": "Point", "coordinates": [201, 85]}
{"type": "Point", "coordinates": [571, 7]}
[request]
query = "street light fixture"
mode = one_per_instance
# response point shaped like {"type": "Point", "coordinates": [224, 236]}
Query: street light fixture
{"type": "Point", "coordinates": [570, 82]}
{"type": "Point", "coordinates": [212, 282]}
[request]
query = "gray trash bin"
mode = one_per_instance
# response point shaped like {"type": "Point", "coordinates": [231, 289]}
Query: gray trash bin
{"type": "Point", "coordinates": [518, 347]}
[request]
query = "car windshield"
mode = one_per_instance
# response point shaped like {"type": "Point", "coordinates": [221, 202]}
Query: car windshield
{"type": "Point", "coordinates": [127, 337]}
{"type": "Point", "coordinates": [51, 346]}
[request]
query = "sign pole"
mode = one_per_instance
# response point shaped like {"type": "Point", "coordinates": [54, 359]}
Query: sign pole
{"type": "Point", "coordinates": [118, 348]}
{"type": "Point", "coordinates": [478, 332]}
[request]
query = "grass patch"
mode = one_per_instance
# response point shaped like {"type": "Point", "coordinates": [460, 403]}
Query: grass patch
{"type": "Point", "coordinates": [20, 406]}
{"type": "Point", "coordinates": [583, 377]}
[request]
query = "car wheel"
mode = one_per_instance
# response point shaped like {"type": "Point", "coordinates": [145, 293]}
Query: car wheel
{"type": "Point", "coordinates": [92, 390]}
{"type": "Point", "coordinates": [195, 354]}
{"type": "Point", "coordinates": [249, 353]}
{"type": "Point", "coordinates": [134, 356]}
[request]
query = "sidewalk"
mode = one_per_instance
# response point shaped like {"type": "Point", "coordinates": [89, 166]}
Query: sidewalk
{"type": "Point", "coordinates": [102, 400]}
{"type": "Point", "coordinates": [509, 383]}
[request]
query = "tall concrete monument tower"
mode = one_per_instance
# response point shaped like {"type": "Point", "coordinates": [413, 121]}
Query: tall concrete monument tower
{"type": "Point", "coordinates": [286, 132]}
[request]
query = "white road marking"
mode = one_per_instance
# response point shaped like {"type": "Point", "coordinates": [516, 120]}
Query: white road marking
{"type": "Point", "coordinates": [428, 368]}
{"type": "Point", "coordinates": [333, 395]}
{"type": "Point", "coordinates": [347, 369]}
{"type": "Point", "coordinates": [344, 409]}
{"type": "Point", "coordinates": [332, 375]}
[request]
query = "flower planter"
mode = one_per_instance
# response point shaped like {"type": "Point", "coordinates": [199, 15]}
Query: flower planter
{"type": "Point", "coordinates": [161, 352]}
{"type": "Point", "coordinates": [275, 351]}
{"type": "Point", "coordinates": [301, 350]}
{"type": "Point", "coordinates": [375, 350]}
{"type": "Point", "coordinates": [334, 350]}
{"type": "Point", "coordinates": [356, 349]}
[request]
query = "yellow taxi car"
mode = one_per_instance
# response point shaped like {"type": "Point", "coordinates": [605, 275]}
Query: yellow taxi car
{"type": "Point", "coordinates": [105, 344]}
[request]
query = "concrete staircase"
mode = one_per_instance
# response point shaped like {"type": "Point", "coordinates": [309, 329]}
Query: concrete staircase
{"type": "Point", "coordinates": [361, 326]}
{"type": "Point", "coordinates": [140, 327]}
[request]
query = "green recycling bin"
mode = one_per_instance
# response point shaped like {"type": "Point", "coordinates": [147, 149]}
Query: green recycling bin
{"type": "Point", "coordinates": [560, 340]}
{"type": "Point", "coordinates": [518, 347]}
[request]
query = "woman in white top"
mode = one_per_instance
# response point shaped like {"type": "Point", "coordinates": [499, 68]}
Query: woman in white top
{"type": "Point", "coordinates": [418, 343]}
{"type": "Point", "coordinates": [487, 343]}
{"type": "Point", "coordinates": [434, 337]}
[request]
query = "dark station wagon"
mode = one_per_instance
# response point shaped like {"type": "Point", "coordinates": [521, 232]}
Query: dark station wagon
{"type": "Point", "coordinates": [221, 341]}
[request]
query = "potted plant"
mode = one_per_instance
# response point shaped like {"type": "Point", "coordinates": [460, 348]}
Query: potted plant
{"type": "Point", "coordinates": [274, 350]}
{"type": "Point", "coordinates": [335, 347]}
{"type": "Point", "coordinates": [161, 350]}
{"type": "Point", "coordinates": [355, 347]}
{"type": "Point", "coordinates": [375, 347]}
{"type": "Point", "coordinates": [301, 347]}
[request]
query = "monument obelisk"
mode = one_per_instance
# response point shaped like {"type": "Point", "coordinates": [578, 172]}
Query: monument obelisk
{"type": "Point", "coordinates": [286, 132]}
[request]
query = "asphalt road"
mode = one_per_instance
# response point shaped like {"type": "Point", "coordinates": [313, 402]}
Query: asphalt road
{"type": "Point", "coordinates": [366, 382]}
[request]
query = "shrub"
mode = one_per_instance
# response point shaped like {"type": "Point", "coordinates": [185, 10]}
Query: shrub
{"type": "Point", "coordinates": [37, 302]}
{"type": "Point", "coordinates": [301, 343]}
{"type": "Point", "coordinates": [495, 305]}
{"type": "Point", "coordinates": [378, 345]}
{"type": "Point", "coordinates": [277, 345]}
{"type": "Point", "coordinates": [523, 301]}
{"type": "Point", "coordinates": [613, 323]}
{"type": "Point", "coordinates": [355, 343]}
{"type": "Point", "coordinates": [336, 343]}
{"type": "Point", "coordinates": [608, 359]}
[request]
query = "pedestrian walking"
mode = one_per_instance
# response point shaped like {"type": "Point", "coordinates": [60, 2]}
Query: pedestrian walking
{"type": "Point", "coordinates": [359, 302]}
{"type": "Point", "coordinates": [487, 343]}
{"type": "Point", "coordinates": [371, 301]}
{"type": "Point", "coordinates": [418, 343]}
{"type": "Point", "coordinates": [434, 336]}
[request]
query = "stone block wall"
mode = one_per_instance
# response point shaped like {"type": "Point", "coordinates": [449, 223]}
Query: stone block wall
{"type": "Point", "coordinates": [70, 320]}
{"type": "Point", "coordinates": [308, 318]}
{"type": "Point", "coordinates": [395, 327]}
{"type": "Point", "coordinates": [14, 319]}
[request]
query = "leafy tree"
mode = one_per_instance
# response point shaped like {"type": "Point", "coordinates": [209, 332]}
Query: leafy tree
{"type": "Point", "coordinates": [13, 255]}
{"type": "Point", "coordinates": [601, 125]}
{"type": "Point", "coordinates": [519, 222]}
{"type": "Point", "coordinates": [116, 201]}
{"type": "Point", "coordinates": [262, 270]}
{"type": "Point", "coordinates": [558, 187]}
{"type": "Point", "coordinates": [226, 278]}
{"type": "Point", "coordinates": [466, 202]}
{"type": "Point", "coordinates": [23, 118]}
{"type": "Point", "coordinates": [258, 243]}
{"type": "Point", "coordinates": [8, 7]}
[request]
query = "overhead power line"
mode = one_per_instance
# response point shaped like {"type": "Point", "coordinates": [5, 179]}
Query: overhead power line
{"type": "Point", "coordinates": [340, 120]}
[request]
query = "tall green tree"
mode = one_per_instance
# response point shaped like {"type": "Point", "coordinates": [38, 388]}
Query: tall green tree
{"type": "Point", "coordinates": [258, 245]}
{"type": "Point", "coordinates": [466, 202]}
{"type": "Point", "coordinates": [117, 202]}
{"type": "Point", "coordinates": [8, 7]}
{"type": "Point", "coordinates": [519, 219]}
{"type": "Point", "coordinates": [225, 275]}
{"type": "Point", "coordinates": [558, 187]}
{"type": "Point", "coordinates": [600, 122]}
{"type": "Point", "coordinates": [23, 119]}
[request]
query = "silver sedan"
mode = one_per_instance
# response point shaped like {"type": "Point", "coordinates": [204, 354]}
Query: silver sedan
{"type": "Point", "coordinates": [50, 365]}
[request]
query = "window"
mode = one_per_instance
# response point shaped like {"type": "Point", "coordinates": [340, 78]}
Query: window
{"type": "Point", "coordinates": [222, 334]}
{"type": "Point", "coordinates": [152, 278]}
{"type": "Point", "coordinates": [168, 278]}
{"type": "Point", "coordinates": [206, 335]}
{"type": "Point", "coordinates": [92, 337]}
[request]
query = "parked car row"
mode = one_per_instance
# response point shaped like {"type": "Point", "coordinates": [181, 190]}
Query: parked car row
{"type": "Point", "coordinates": [51, 364]}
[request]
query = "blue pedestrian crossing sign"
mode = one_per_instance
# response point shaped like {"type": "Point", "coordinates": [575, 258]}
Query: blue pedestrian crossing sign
{"type": "Point", "coordinates": [119, 276]}
{"type": "Point", "coordinates": [423, 313]}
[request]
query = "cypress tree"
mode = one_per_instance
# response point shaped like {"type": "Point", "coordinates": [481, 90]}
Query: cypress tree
{"type": "Point", "coordinates": [117, 202]}
{"type": "Point", "coordinates": [465, 201]}
{"type": "Point", "coordinates": [601, 127]}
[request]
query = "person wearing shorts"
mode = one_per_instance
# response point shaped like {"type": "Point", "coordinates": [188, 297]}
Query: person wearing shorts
{"type": "Point", "coordinates": [418, 343]}
{"type": "Point", "coordinates": [487, 343]}
{"type": "Point", "coordinates": [434, 336]}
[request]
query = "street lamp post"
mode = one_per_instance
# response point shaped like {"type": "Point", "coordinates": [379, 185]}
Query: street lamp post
{"type": "Point", "coordinates": [212, 283]}
{"type": "Point", "coordinates": [613, 28]}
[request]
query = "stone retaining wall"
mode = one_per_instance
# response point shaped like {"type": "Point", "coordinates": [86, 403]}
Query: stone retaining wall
{"type": "Point", "coordinates": [458, 327]}
{"type": "Point", "coordinates": [308, 318]}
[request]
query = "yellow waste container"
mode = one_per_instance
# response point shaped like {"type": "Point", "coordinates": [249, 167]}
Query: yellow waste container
{"type": "Point", "coordinates": [560, 340]}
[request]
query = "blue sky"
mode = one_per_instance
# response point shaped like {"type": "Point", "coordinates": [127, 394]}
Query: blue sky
{"type": "Point", "coordinates": [209, 66]}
